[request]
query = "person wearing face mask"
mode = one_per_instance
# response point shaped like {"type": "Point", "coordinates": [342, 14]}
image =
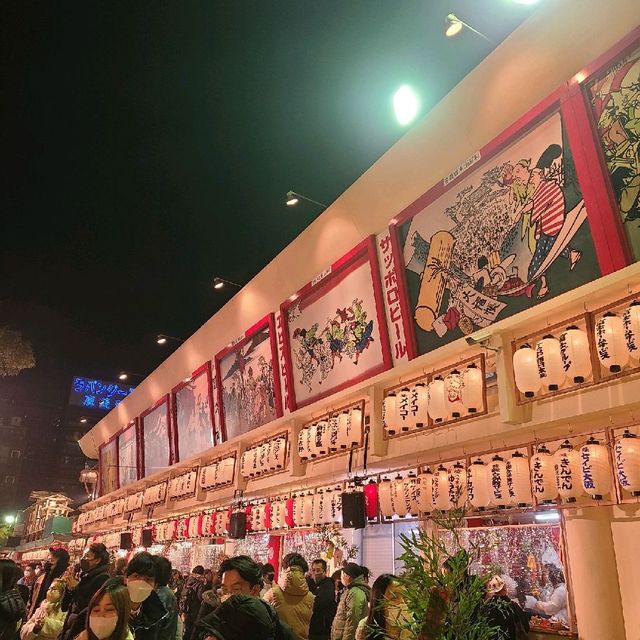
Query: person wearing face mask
{"type": "Point", "coordinates": [268, 576]}
{"type": "Point", "coordinates": [109, 612]}
{"type": "Point", "coordinates": [291, 597]}
{"type": "Point", "coordinates": [55, 567]}
{"type": "Point", "coordinates": [94, 572]}
{"type": "Point", "coordinates": [148, 614]}
{"type": "Point", "coordinates": [387, 612]}
{"type": "Point", "coordinates": [46, 623]}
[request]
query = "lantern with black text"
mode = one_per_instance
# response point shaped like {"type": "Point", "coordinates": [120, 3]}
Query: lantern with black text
{"type": "Point", "coordinates": [303, 444]}
{"type": "Point", "coordinates": [400, 506]}
{"type": "Point", "coordinates": [440, 489]}
{"type": "Point", "coordinates": [627, 456]}
{"type": "Point", "coordinates": [313, 441]}
{"type": "Point", "coordinates": [549, 360]}
{"type": "Point", "coordinates": [389, 414]}
{"type": "Point", "coordinates": [631, 323]}
{"type": "Point", "coordinates": [525, 371]}
{"type": "Point", "coordinates": [574, 351]}
{"type": "Point", "coordinates": [385, 499]}
{"type": "Point", "coordinates": [518, 480]}
{"type": "Point", "coordinates": [453, 391]}
{"type": "Point", "coordinates": [343, 431]}
{"type": "Point", "coordinates": [316, 516]}
{"type": "Point", "coordinates": [403, 419]}
{"type": "Point", "coordinates": [327, 507]}
{"type": "Point", "coordinates": [278, 452]}
{"type": "Point", "coordinates": [356, 425]}
{"type": "Point", "coordinates": [478, 485]}
{"type": "Point", "coordinates": [289, 512]}
{"type": "Point", "coordinates": [425, 494]}
{"type": "Point", "coordinates": [472, 389]}
{"type": "Point", "coordinates": [543, 480]}
{"type": "Point", "coordinates": [596, 473]}
{"type": "Point", "coordinates": [610, 343]}
{"type": "Point", "coordinates": [498, 480]}
{"type": "Point", "coordinates": [307, 510]}
{"type": "Point", "coordinates": [298, 504]}
{"type": "Point", "coordinates": [322, 438]}
{"type": "Point", "coordinates": [438, 410]}
{"type": "Point", "coordinates": [567, 465]}
{"type": "Point", "coordinates": [371, 500]}
{"type": "Point", "coordinates": [457, 481]}
{"type": "Point", "coordinates": [334, 434]}
{"type": "Point", "coordinates": [419, 405]}
{"type": "Point", "coordinates": [411, 491]}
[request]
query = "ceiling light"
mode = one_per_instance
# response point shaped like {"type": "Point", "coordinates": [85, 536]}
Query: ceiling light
{"type": "Point", "coordinates": [453, 26]}
{"type": "Point", "coordinates": [292, 199]}
{"type": "Point", "coordinates": [83, 419]}
{"type": "Point", "coordinates": [405, 104]}
{"type": "Point", "coordinates": [161, 339]}
{"type": "Point", "coordinates": [123, 376]}
{"type": "Point", "coordinates": [218, 283]}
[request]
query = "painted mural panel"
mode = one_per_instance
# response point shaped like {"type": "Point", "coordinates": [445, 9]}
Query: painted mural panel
{"type": "Point", "coordinates": [194, 417]}
{"type": "Point", "coordinates": [248, 390]}
{"type": "Point", "coordinates": [155, 437]}
{"type": "Point", "coordinates": [615, 99]}
{"type": "Point", "coordinates": [511, 234]}
{"type": "Point", "coordinates": [108, 468]}
{"type": "Point", "coordinates": [127, 456]}
{"type": "Point", "coordinates": [336, 331]}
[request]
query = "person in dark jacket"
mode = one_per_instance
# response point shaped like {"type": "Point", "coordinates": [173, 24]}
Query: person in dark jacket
{"type": "Point", "coordinates": [12, 606]}
{"type": "Point", "coordinates": [147, 610]}
{"type": "Point", "coordinates": [507, 616]}
{"type": "Point", "coordinates": [191, 598]}
{"type": "Point", "coordinates": [94, 568]}
{"type": "Point", "coordinates": [210, 602]}
{"type": "Point", "coordinates": [168, 626]}
{"type": "Point", "coordinates": [55, 567]}
{"type": "Point", "coordinates": [324, 605]}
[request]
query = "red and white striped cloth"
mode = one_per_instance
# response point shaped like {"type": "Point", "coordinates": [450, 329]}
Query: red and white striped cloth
{"type": "Point", "coordinates": [548, 208]}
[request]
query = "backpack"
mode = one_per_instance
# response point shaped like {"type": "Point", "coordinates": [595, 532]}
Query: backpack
{"type": "Point", "coordinates": [189, 600]}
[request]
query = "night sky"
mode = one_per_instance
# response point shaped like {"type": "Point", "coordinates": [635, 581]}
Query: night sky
{"type": "Point", "coordinates": [148, 146]}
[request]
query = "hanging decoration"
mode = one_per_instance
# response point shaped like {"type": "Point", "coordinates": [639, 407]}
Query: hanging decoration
{"type": "Point", "coordinates": [265, 457]}
{"type": "Point", "coordinates": [543, 478]}
{"type": "Point", "coordinates": [498, 479]}
{"type": "Point", "coordinates": [419, 405]}
{"type": "Point", "coordinates": [567, 465]}
{"type": "Point", "coordinates": [400, 507]}
{"type": "Point", "coordinates": [453, 392]}
{"type": "Point", "coordinates": [437, 400]}
{"type": "Point", "coordinates": [403, 419]}
{"type": "Point", "coordinates": [525, 371]}
{"type": "Point", "coordinates": [334, 434]}
{"type": "Point", "coordinates": [575, 354]}
{"type": "Point", "coordinates": [627, 456]}
{"type": "Point", "coordinates": [371, 504]}
{"type": "Point", "coordinates": [425, 494]}
{"type": "Point", "coordinates": [631, 323]}
{"type": "Point", "coordinates": [610, 342]}
{"type": "Point", "coordinates": [549, 360]}
{"type": "Point", "coordinates": [440, 489]}
{"type": "Point", "coordinates": [389, 414]}
{"type": "Point", "coordinates": [472, 389]}
{"type": "Point", "coordinates": [410, 490]}
{"type": "Point", "coordinates": [518, 480]}
{"type": "Point", "coordinates": [596, 474]}
{"type": "Point", "coordinates": [217, 474]}
{"type": "Point", "coordinates": [456, 486]}
{"type": "Point", "coordinates": [385, 499]}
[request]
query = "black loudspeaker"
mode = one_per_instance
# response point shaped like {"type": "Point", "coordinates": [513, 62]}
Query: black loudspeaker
{"type": "Point", "coordinates": [126, 541]}
{"type": "Point", "coordinates": [238, 525]}
{"type": "Point", "coordinates": [147, 539]}
{"type": "Point", "coordinates": [353, 511]}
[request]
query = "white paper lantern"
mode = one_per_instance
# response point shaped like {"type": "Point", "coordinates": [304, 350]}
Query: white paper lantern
{"type": "Point", "coordinates": [519, 480]}
{"type": "Point", "coordinates": [403, 419]}
{"type": "Point", "coordinates": [253, 461]}
{"type": "Point", "coordinates": [568, 468]}
{"type": "Point", "coordinates": [610, 342]}
{"type": "Point", "coordinates": [279, 452]}
{"type": "Point", "coordinates": [440, 489]}
{"type": "Point", "coordinates": [453, 391]}
{"type": "Point", "coordinates": [472, 389]}
{"type": "Point", "coordinates": [313, 441]}
{"type": "Point", "coordinates": [336, 506]}
{"type": "Point", "coordinates": [498, 480]}
{"type": "Point", "coordinates": [389, 414]}
{"type": "Point", "coordinates": [334, 434]}
{"type": "Point", "coordinates": [596, 473]}
{"type": "Point", "coordinates": [244, 464]}
{"type": "Point", "coordinates": [384, 498]}
{"type": "Point", "coordinates": [456, 486]}
{"type": "Point", "coordinates": [627, 455]}
{"type": "Point", "coordinates": [549, 360]}
{"type": "Point", "coordinates": [263, 455]}
{"type": "Point", "coordinates": [307, 510]}
{"type": "Point", "coordinates": [322, 438]}
{"type": "Point", "coordinates": [318, 500]}
{"type": "Point", "coordinates": [400, 506]}
{"type": "Point", "coordinates": [270, 461]}
{"type": "Point", "coordinates": [298, 508]}
{"type": "Point", "coordinates": [343, 431]}
{"type": "Point", "coordinates": [438, 409]}
{"type": "Point", "coordinates": [411, 491]}
{"type": "Point", "coordinates": [478, 485]}
{"type": "Point", "coordinates": [574, 351]}
{"type": "Point", "coordinates": [420, 405]}
{"type": "Point", "coordinates": [355, 427]}
{"type": "Point", "coordinates": [525, 371]}
{"type": "Point", "coordinates": [425, 498]}
{"type": "Point", "coordinates": [327, 507]}
{"type": "Point", "coordinates": [631, 323]}
{"type": "Point", "coordinates": [543, 476]}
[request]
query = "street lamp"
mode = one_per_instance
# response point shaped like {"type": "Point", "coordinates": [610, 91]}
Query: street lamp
{"type": "Point", "coordinates": [10, 519]}
{"type": "Point", "coordinates": [293, 198]}
{"type": "Point", "coordinates": [162, 338]}
{"type": "Point", "coordinates": [218, 283]}
{"type": "Point", "coordinates": [124, 375]}
{"type": "Point", "coordinates": [453, 26]}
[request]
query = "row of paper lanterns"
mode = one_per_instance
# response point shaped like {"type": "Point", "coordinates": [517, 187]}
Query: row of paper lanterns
{"type": "Point", "coordinates": [338, 432]}
{"type": "Point", "coordinates": [264, 458]}
{"type": "Point", "coordinates": [552, 362]}
{"type": "Point", "coordinates": [218, 473]}
{"type": "Point", "coordinates": [456, 395]}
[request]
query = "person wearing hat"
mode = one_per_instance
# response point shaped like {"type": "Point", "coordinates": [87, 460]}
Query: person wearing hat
{"type": "Point", "coordinates": [353, 605]}
{"type": "Point", "coordinates": [509, 620]}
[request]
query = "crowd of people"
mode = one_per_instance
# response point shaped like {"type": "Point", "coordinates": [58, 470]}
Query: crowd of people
{"type": "Point", "coordinates": [145, 599]}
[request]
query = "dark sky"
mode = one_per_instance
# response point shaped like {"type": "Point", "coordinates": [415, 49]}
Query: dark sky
{"type": "Point", "coordinates": [148, 145]}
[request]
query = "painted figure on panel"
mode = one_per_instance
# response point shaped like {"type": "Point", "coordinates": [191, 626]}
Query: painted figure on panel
{"type": "Point", "coordinates": [248, 393]}
{"type": "Point", "coordinates": [193, 413]}
{"type": "Point", "coordinates": [512, 233]}
{"type": "Point", "coordinates": [616, 103]}
{"type": "Point", "coordinates": [156, 440]}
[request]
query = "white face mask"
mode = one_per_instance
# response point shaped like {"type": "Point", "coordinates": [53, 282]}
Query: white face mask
{"type": "Point", "coordinates": [139, 590]}
{"type": "Point", "coordinates": [102, 627]}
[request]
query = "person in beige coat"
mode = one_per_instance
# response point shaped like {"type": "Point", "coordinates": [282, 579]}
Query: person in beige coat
{"type": "Point", "coordinates": [46, 623]}
{"type": "Point", "coordinates": [291, 597]}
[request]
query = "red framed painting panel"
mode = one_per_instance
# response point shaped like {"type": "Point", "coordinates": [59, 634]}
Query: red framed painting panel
{"type": "Point", "coordinates": [606, 103]}
{"type": "Point", "coordinates": [506, 230]}
{"type": "Point", "coordinates": [335, 328]}
{"type": "Point", "coordinates": [108, 465]}
{"type": "Point", "coordinates": [156, 447]}
{"type": "Point", "coordinates": [128, 454]}
{"type": "Point", "coordinates": [248, 380]}
{"type": "Point", "coordinates": [193, 414]}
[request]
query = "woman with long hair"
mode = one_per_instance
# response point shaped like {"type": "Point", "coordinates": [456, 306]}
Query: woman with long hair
{"type": "Point", "coordinates": [12, 606]}
{"type": "Point", "coordinates": [46, 623]}
{"type": "Point", "coordinates": [55, 567]}
{"type": "Point", "coordinates": [108, 613]}
{"type": "Point", "coordinates": [387, 611]}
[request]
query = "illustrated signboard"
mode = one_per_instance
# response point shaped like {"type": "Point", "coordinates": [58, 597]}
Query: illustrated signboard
{"type": "Point", "coordinates": [155, 440]}
{"type": "Point", "coordinates": [108, 467]}
{"type": "Point", "coordinates": [335, 328]}
{"type": "Point", "coordinates": [193, 414]}
{"type": "Point", "coordinates": [248, 382]}
{"type": "Point", "coordinates": [505, 231]}
{"type": "Point", "coordinates": [128, 456]}
{"type": "Point", "coordinates": [615, 101]}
